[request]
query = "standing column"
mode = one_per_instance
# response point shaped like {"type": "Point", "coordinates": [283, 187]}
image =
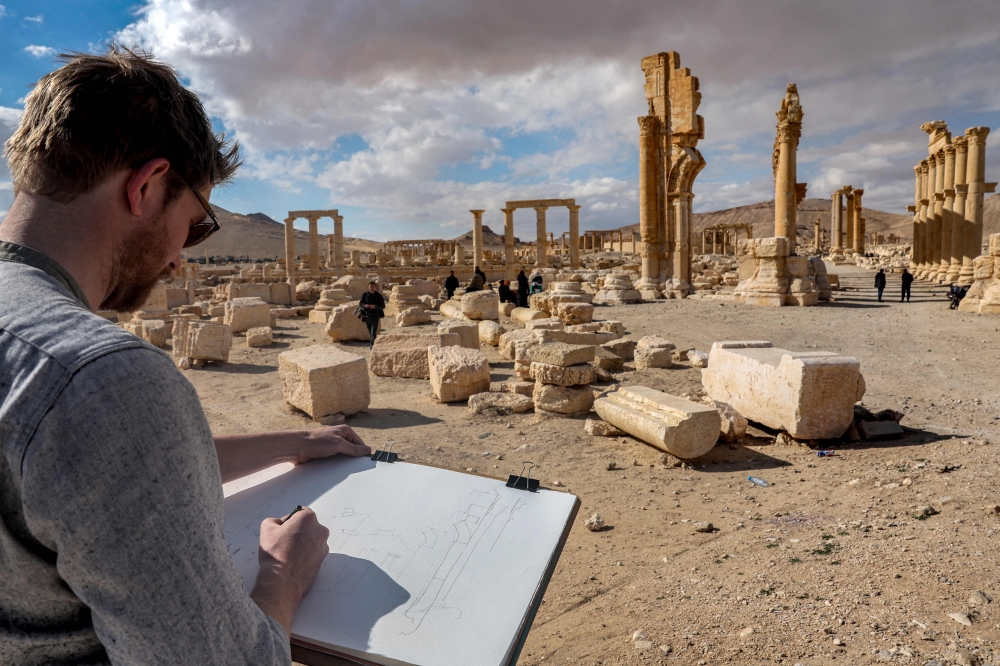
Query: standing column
{"type": "Point", "coordinates": [948, 228]}
{"type": "Point", "coordinates": [508, 243]}
{"type": "Point", "coordinates": [541, 253]}
{"type": "Point", "coordinates": [859, 236]}
{"type": "Point", "coordinates": [837, 225]}
{"type": "Point", "coordinates": [939, 227]}
{"type": "Point", "coordinates": [915, 251]}
{"type": "Point", "coordinates": [862, 234]}
{"type": "Point", "coordinates": [924, 242]}
{"type": "Point", "coordinates": [933, 240]}
{"type": "Point", "coordinates": [785, 171]}
{"type": "Point", "coordinates": [574, 237]}
{"type": "Point", "coordinates": [313, 246]}
{"type": "Point", "coordinates": [477, 237]}
{"type": "Point", "coordinates": [976, 177]}
{"type": "Point", "coordinates": [817, 240]}
{"type": "Point", "coordinates": [338, 245]}
{"type": "Point", "coordinates": [329, 251]}
{"type": "Point", "coordinates": [649, 213]}
{"type": "Point", "coordinates": [961, 229]}
{"type": "Point", "coordinates": [290, 251]}
{"type": "Point", "coordinates": [849, 220]}
{"type": "Point", "coordinates": [681, 263]}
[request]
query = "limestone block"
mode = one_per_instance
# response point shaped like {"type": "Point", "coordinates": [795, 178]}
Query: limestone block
{"type": "Point", "coordinates": [154, 331]}
{"type": "Point", "coordinates": [680, 427]}
{"type": "Point", "coordinates": [481, 305]}
{"type": "Point", "coordinates": [522, 315]}
{"type": "Point", "coordinates": [592, 327]}
{"type": "Point", "coordinates": [276, 313]}
{"type": "Point", "coordinates": [624, 348]}
{"type": "Point", "coordinates": [354, 285]}
{"type": "Point", "coordinates": [570, 338]}
{"type": "Point", "coordinates": [521, 388]}
{"type": "Point", "coordinates": [561, 354]}
{"type": "Point", "coordinates": [575, 313]}
{"type": "Point", "coordinates": [304, 290]}
{"type": "Point", "coordinates": [733, 425]}
{"type": "Point", "coordinates": [217, 311]}
{"type": "Point", "coordinates": [698, 359]}
{"type": "Point", "coordinates": [809, 395]}
{"type": "Point", "coordinates": [540, 302]}
{"type": "Point", "coordinates": [425, 287]}
{"type": "Point", "coordinates": [571, 375]}
{"type": "Point", "coordinates": [344, 325]}
{"type": "Point", "coordinates": [457, 372]}
{"type": "Point", "coordinates": [243, 314]}
{"type": "Point", "coordinates": [323, 379]}
{"type": "Point", "coordinates": [982, 268]}
{"type": "Point", "coordinates": [601, 429]}
{"type": "Point", "coordinates": [196, 310]}
{"type": "Point", "coordinates": [653, 358]}
{"type": "Point", "coordinates": [563, 399]}
{"type": "Point", "coordinates": [501, 403]}
{"type": "Point", "coordinates": [400, 355]}
{"type": "Point", "coordinates": [452, 310]}
{"type": "Point", "coordinates": [468, 331]}
{"type": "Point", "coordinates": [548, 324]}
{"type": "Point", "coordinates": [490, 332]}
{"type": "Point", "coordinates": [608, 360]}
{"type": "Point", "coordinates": [260, 337]}
{"type": "Point", "coordinates": [507, 308]}
{"type": "Point", "coordinates": [654, 342]}
{"type": "Point", "coordinates": [770, 248]}
{"type": "Point", "coordinates": [512, 340]}
{"type": "Point", "coordinates": [319, 316]}
{"type": "Point", "coordinates": [412, 317]}
{"type": "Point", "coordinates": [612, 326]}
{"type": "Point", "coordinates": [201, 341]}
{"type": "Point", "coordinates": [522, 370]}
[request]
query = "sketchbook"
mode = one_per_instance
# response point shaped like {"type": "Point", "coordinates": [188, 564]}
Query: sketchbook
{"type": "Point", "coordinates": [427, 566]}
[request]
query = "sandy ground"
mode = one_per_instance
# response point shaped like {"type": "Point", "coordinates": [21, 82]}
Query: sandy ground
{"type": "Point", "coordinates": [827, 565]}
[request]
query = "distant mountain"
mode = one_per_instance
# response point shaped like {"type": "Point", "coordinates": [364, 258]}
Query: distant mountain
{"type": "Point", "coordinates": [262, 218]}
{"type": "Point", "coordinates": [491, 240]}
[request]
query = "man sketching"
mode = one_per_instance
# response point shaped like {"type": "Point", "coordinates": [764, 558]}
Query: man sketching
{"type": "Point", "coordinates": [111, 515]}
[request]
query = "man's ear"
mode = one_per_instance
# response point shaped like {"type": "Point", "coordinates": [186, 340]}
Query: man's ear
{"type": "Point", "coordinates": [147, 186]}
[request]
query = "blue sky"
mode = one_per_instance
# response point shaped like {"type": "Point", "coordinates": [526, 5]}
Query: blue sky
{"type": "Point", "coordinates": [404, 115]}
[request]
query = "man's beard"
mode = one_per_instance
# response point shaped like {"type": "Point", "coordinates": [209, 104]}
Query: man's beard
{"type": "Point", "coordinates": [137, 267]}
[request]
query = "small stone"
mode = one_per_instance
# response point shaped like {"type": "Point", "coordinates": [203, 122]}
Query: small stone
{"type": "Point", "coordinates": [704, 526]}
{"type": "Point", "coordinates": [906, 482]}
{"type": "Point", "coordinates": [838, 642]}
{"type": "Point", "coordinates": [670, 460]}
{"type": "Point", "coordinates": [601, 428]}
{"type": "Point", "coordinates": [638, 635]}
{"type": "Point", "coordinates": [641, 645]}
{"type": "Point", "coordinates": [666, 649]}
{"type": "Point", "coordinates": [978, 598]}
{"type": "Point", "coordinates": [992, 509]}
{"type": "Point", "coordinates": [557, 484]}
{"type": "Point", "coordinates": [612, 466]}
{"type": "Point", "coordinates": [961, 618]}
{"type": "Point", "coordinates": [926, 511]}
{"type": "Point", "coordinates": [746, 631]}
{"type": "Point", "coordinates": [698, 359]}
{"type": "Point", "coordinates": [594, 523]}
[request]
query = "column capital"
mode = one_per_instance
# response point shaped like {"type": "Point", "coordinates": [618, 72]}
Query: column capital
{"type": "Point", "coordinates": [961, 144]}
{"type": "Point", "coordinates": [961, 188]}
{"type": "Point", "coordinates": [925, 166]}
{"type": "Point", "coordinates": [290, 220]}
{"type": "Point", "coordinates": [338, 218]}
{"type": "Point", "coordinates": [478, 213]}
{"type": "Point", "coordinates": [648, 125]}
{"type": "Point", "coordinates": [858, 192]}
{"type": "Point", "coordinates": [949, 150]}
{"type": "Point", "coordinates": [541, 209]}
{"type": "Point", "coordinates": [573, 208]}
{"type": "Point", "coordinates": [507, 211]}
{"type": "Point", "coordinates": [916, 169]}
{"type": "Point", "coordinates": [977, 135]}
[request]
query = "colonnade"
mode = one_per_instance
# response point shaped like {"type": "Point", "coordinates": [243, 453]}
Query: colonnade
{"type": "Point", "coordinates": [847, 227]}
{"type": "Point", "coordinates": [720, 234]}
{"type": "Point", "coordinates": [336, 242]}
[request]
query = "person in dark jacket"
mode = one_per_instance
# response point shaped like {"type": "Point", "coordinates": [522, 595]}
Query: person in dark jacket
{"type": "Point", "coordinates": [537, 285]}
{"type": "Point", "coordinates": [476, 284]}
{"type": "Point", "coordinates": [880, 283]}
{"type": "Point", "coordinates": [505, 294]}
{"type": "Point", "coordinates": [522, 289]}
{"type": "Point", "coordinates": [451, 284]}
{"type": "Point", "coordinates": [480, 273]}
{"type": "Point", "coordinates": [907, 281]}
{"type": "Point", "coordinates": [373, 306]}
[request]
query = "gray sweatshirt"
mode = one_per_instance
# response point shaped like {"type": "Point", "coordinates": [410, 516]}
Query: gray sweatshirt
{"type": "Point", "coordinates": [111, 514]}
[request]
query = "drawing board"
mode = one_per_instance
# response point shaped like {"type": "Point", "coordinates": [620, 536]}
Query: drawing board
{"type": "Point", "coordinates": [426, 567]}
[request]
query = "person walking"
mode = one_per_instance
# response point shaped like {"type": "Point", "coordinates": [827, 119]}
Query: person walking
{"type": "Point", "coordinates": [880, 283]}
{"type": "Point", "coordinates": [522, 289]}
{"type": "Point", "coordinates": [907, 281]}
{"type": "Point", "coordinates": [451, 284]}
{"type": "Point", "coordinates": [373, 305]}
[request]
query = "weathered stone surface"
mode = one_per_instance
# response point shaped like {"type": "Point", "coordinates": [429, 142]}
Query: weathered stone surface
{"type": "Point", "coordinates": [354, 285]}
{"type": "Point", "coordinates": [323, 379]}
{"type": "Point", "coordinates": [243, 314]}
{"type": "Point", "coordinates": [481, 305]}
{"type": "Point", "coordinates": [412, 317]}
{"type": "Point", "coordinates": [654, 342]}
{"type": "Point", "coordinates": [595, 523]}
{"type": "Point", "coordinates": [511, 341]}
{"type": "Point", "coordinates": [575, 313]}
{"type": "Point", "coordinates": [547, 324]}
{"type": "Point", "coordinates": [570, 338]}
{"type": "Point", "coordinates": [521, 388]}
{"type": "Point", "coordinates": [522, 315]}
{"type": "Point", "coordinates": [563, 399]}
{"type": "Point", "coordinates": [698, 359]}
{"type": "Point", "coordinates": [452, 310]}
{"type": "Point", "coordinates": [652, 358]}
{"type": "Point", "coordinates": [304, 290]}
{"type": "Point", "coordinates": [541, 303]}
{"type": "Point", "coordinates": [608, 360]}
{"type": "Point", "coordinates": [467, 330]}
{"type": "Point", "coordinates": [201, 341]}
{"type": "Point", "coordinates": [154, 331]}
{"type": "Point", "coordinates": [507, 308]}
{"type": "Point", "coordinates": [624, 348]}
{"type": "Point", "coordinates": [276, 313]}
{"type": "Point", "coordinates": [809, 395]}
{"type": "Point", "coordinates": [345, 325]}
{"type": "Point", "coordinates": [601, 429]}
{"type": "Point", "coordinates": [572, 375]}
{"type": "Point", "coordinates": [733, 425]}
{"type": "Point", "coordinates": [490, 332]}
{"type": "Point", "coordinates": [281, 293]}
{"type": "Point", "coordinates": [319, 316]}
{"type": "Point", "coordinates": [611, 326]}
{"type": "Point", "coordinates": [261, 336]}
{"type": "Point", "coordinates": [501, 403]}
{"type": "Point", "coordinates": [683, 428]}
{"type": "Point", "coordinates": [457, 372]}
{"type": "Point", "coordinates": [560, 353]}
{"type": "Point", "coordinates": [397, 355]}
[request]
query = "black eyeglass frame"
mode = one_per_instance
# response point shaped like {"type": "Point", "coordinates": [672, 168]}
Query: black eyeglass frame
{"type": "Point", "coordinates": [195, 234]}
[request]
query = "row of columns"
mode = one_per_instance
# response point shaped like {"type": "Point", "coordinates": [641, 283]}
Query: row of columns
{"type": "Point", "coordinates": [335, 248]}
{"type": "Point", "coordinates": [949, 187]}
{"type": "Point", "coordinates": [847, 234]}
{"type": "Point", "coordinates": [541, 238]}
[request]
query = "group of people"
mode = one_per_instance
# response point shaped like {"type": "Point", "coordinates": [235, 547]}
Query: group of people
{"type": "Point", "coordinates": [907, 281]}
{"type": "Point", "coordinates": [518, 296]}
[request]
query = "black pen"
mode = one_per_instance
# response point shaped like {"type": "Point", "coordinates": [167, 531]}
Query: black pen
{"type": "Point", "coordinates": [298, 508]}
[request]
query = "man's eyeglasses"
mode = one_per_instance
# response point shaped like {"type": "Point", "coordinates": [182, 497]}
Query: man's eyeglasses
{"type": "Point", "coordinates": [200, 231]}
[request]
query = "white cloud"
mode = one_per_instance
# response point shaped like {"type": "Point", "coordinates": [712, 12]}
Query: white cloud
{"type": "Point", "coordinates": [6, 186]}
{"type": "Point", "coordinates": [35, 19]}
{"type": "Point", "coordinates": [40, 51]}
{"type": "Point", "coordinates": [3, 12]}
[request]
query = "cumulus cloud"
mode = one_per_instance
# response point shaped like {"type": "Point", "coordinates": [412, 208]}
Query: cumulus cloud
{"type": "Point", "coordinates": [35, 19]}
{"type": "Point", "coordinates": [455, 104]}
{"type": "Point", "coordinates": [40, 51]}
{"type": "Point", "coordinates": [3, 11]}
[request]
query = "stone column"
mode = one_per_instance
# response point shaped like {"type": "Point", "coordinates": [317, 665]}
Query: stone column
{"type": "Point", "coordinates": [329, 251]}
{"type": "Point", "coordinates": [915, 251]}
{"type": "Point", "coordinates": [859, 236]}
{"type": "Point", "coordinates": [924, 204]}
{"type": "Point", "coordinates": [947, 274]}
{"type": "Point", "coordinates": [540, 253]}
{"type": "Point", "coordinates": [477, 237]}
{"type": "Point", "coordinates": [338, 245]}
{"type": "Point", "coordinates": [649, 213]}
{"type": "Point", "coordinates": [784, 167]}
{"type": "Point", "coordinates": [290, 251]}
{"type": "Point", "coordinates": [939, 227]}
{"type": "Point", "coordinates": [818, 239]}
{"type": "Point", "coordinates": [975, 176]}
{"type": "Point", "coordinates": [682, 239]}
{"type": "Point", "coordinates": [206, 256]}
{"type": "Point", "coordinates": [574, 237]}
{"type": "Point", "coordinates": [837, 225]}
{"type": "Point", "coordinates": [509, 258]}
{"type": "Point", "coordinates": [961, 229]}
{"type": "Point", "coordinates": [849, 221]}
{"type": "Point", "coordinates": [863, 235]}
{"type": "Point", "coordinates": [313, 246]}
{"type": "Point", "coordinates": [459, 255]}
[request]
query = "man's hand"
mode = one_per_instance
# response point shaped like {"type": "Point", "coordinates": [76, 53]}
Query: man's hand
{"type": "Point", "coordinates": [332, 440]}
{"type": "Point", "coordinates": [290, 556]}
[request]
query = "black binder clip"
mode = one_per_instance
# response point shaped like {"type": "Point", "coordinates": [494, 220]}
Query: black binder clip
{"type": "Point", "coordinates": [523, 481]}
{"type": "Point", "coordinates": [386, 454]}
